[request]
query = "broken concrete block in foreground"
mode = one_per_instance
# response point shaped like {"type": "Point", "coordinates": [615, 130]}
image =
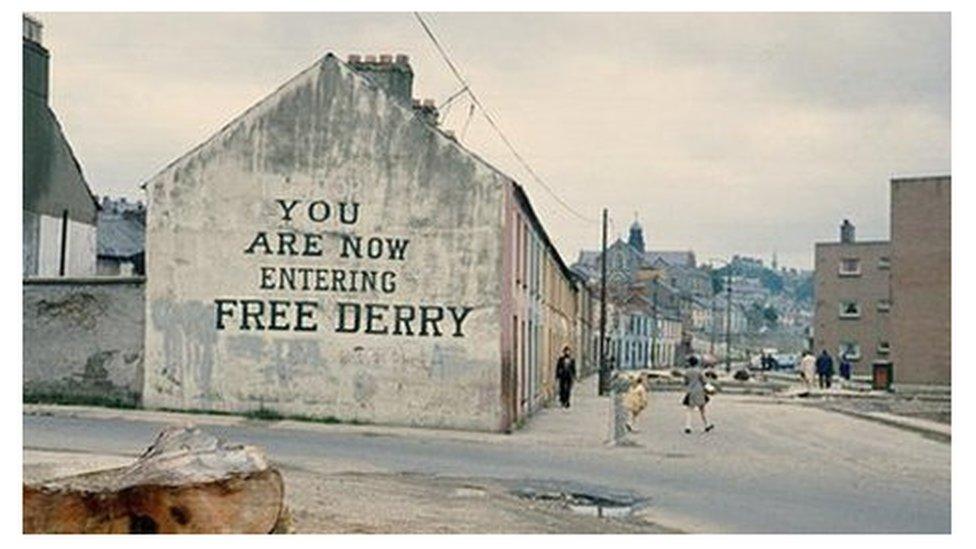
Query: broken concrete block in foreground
{"type": "Point", "coordinates": [187, 481]}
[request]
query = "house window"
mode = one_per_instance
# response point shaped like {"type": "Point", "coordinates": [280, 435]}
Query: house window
{"type": "Point", "coordinates": [850, 309]}
{"type": "Point", "coordinates": [850, 349]}
{"type": "Point", "coordinates": [884, 263]}
{"type": "Point", "coordinates": [884, 347]}
{"type": "Point", "coordinates": [884, 305]}
{"type": "Point", "coordinates": [850, 266]}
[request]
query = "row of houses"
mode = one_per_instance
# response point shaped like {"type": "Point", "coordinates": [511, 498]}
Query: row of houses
{"type": "Point", "coordinates": [332, 252]}
{"type": "Point", "coordinates": [661, 304]}
{"type": "Point", "coordinates": [890, 300]}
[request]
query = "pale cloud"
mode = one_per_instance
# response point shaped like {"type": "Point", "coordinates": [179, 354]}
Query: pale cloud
{"type": "Point", "coordinates": [728, 133]}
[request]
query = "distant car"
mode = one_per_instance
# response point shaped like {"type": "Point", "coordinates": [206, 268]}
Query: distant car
{"type": "Point", "coordinates": [785, 361]}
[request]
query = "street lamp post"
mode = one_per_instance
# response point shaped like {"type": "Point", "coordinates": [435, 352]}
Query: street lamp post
{"type": "Point", "coordinates": [728, 312]}
{"type": "Point", "coordinates": [728, 318]}
{"type": "Point", "coordinates": [714, 323]}
{"type": "Point", "coordinates": [656, 327]}
{"type": "Point", "coordinates": [604, 374]}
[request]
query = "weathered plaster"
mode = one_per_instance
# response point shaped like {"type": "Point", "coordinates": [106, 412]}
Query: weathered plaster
{"type": "Point", "coordinates": [328, 134]}
{"type": "Point", "coordinates": [83, 340]}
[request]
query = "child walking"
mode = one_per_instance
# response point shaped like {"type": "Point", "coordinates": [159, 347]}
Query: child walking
{"type": "Point", "coordinates": [695, 395]}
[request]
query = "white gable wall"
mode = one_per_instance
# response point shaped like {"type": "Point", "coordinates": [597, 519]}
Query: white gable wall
{"type": "Point", "coordinates": [329, 136]}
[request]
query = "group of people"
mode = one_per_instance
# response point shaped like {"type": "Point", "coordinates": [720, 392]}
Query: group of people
{"type": "Point", "coordinates": [767, 362]}
{"type": "Point", "coordinates": [697, 388]}
{"type": "Point", "coordinates": [821, 368]}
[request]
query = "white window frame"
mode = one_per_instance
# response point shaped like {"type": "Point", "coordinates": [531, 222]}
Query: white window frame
{"type": "Point", "coordinates": [884, 305]}
{"type": "Point", "coordinates": [842, 272]}
{"type": "Point", "coordinates": [849, 316]}
{"type": "Point", "coordinates": [884, 349]}
{"type": "Point", "coordinates": [855, 356]}
{"type": "Point", "coordinates": [884, 263]}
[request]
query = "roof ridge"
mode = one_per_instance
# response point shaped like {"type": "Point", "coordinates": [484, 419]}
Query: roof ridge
{"type": "Point", "coordinates": [235, 121]}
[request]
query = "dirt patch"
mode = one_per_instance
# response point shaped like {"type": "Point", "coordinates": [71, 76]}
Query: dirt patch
{"type": "Point", "coordinates": [349, 503]}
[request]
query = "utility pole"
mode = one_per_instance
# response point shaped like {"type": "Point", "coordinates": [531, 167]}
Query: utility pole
{"type": "Point", "coordinates": [714, 323]}
{"type": "Point", "coordinates": [655, 328]}
{"type": "Point", "coordinates": [728, 318]}
{"type": "Point", "coordinates": [602, 389]}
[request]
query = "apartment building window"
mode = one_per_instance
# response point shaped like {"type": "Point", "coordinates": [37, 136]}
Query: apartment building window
{"type": "Point", "coordinates": [850, 349]}
{"type": "Point", "coordinates": [850, 309]}
{"type": "Point", "coordinates": [884, 263]}
{"type": "Point", "coordinates": [884, 305]}
{"type": "Point", "coordinates": [850, 266]}
{"type": "Point", "coordinates": [884, 347]}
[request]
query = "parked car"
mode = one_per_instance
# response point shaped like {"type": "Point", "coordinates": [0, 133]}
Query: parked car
{"type": "Point", "coordinates": [785, 361]}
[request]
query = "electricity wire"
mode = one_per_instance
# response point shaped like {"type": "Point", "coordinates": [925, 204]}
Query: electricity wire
{"type": "Point", "coordinates": [491, 121]}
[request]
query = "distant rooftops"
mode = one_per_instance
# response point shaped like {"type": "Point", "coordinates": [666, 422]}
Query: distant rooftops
{"type": "Point", "coordinates": [121, 229]}
{"type": "Point", "coordinates": [651, 258]}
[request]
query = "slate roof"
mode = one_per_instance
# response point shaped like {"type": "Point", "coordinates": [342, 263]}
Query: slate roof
{"type": "Point", "coordinates": [672, 258]}
{"type": "Point", "coordinates": [652, 258]}
{"type": "Point", "coordinates": [120, 235]}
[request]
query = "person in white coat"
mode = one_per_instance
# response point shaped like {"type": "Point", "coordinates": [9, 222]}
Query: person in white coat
{"type": "Point", "coordinates": [808, 368]}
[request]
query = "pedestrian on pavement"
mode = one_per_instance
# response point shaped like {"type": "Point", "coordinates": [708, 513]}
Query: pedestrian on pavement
{"type": "Point", "coordinates": [565, 375]}
{"type": "Point", "coordinates": [808, 368]}
{"type": "Point", "coordinates": [845, 367]}
{"type": "Point", "coordinates": [695, 395]}
{"type": "Point", "coordinates": [825, 369]}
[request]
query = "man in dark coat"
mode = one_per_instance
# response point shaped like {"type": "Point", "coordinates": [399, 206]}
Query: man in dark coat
{"type": "Point", "coordinates": [565, 375]}
{"type": "Point", "coordinates": [845, 367]}
{"type": "Point", "coordinates": [825, 369]}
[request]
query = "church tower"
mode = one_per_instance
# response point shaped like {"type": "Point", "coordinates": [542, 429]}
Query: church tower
{"type": "Point", "coordinates": [636, 239]}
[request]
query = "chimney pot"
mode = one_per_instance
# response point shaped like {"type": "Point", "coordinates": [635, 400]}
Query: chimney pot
{"type": "Point", "coordinates": [370, 58]}
{"type": "Point", "coordinates": [847, 232]}
{"type": "Point", "coordinates": [402, 59]}
{"type": "Point", "coordinates": [33, 29]}
{"type": "Point", "coordinates": [355, 58]}
{"type": "Point", "coordinates": [386, 58]}
{"type": "Point", "coordinates": [416, 103]}
{"type": "Point", "coordinates": [428, 103]}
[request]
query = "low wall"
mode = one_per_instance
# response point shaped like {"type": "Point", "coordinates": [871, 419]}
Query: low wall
{"type": "Point", "coordinates": [84, 340]}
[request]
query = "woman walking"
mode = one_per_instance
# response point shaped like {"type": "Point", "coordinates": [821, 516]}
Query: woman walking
{"type": "Point", "coordinates": [695, 395]}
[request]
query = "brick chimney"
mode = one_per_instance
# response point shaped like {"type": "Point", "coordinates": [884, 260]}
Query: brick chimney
{"type": "Point", "coordinates": [847, 232]}
{"type": "Point", "coordinates": [393, 74]}
{"type": "Point", "coordinates": [36, 59]}
{"type": "Point", "coordinates": [427, 110]}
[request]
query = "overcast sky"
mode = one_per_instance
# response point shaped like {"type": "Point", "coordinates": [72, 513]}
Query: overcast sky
{"type": "Point", "coordinates": [725, 133]}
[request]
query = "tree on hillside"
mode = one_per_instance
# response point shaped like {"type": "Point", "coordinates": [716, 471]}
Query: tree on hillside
{"type": "Point", "coordinates": [804, 290]}
{"type": "Point", "coordinates": [771, 280]}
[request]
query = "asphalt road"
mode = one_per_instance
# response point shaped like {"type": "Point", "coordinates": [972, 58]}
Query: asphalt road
{"type": "Point", "coordinates": [766, 468]}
